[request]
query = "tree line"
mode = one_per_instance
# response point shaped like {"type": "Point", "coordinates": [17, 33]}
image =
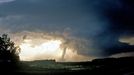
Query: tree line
{"type": "Point", "coordinates": [9, 53]}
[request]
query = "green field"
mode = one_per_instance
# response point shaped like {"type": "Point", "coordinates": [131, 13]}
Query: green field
{"type": "Point", "coordinates": [108, 66]}
{"type": "Point", "coordinates": [51, 67]}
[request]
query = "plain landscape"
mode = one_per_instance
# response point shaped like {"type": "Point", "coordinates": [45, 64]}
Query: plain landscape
{"type": "Point", "coordinates": [106, 66]}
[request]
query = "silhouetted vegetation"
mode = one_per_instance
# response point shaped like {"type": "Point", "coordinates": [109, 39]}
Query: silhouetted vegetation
{"type": "Point", "coordinates": [8, 53]}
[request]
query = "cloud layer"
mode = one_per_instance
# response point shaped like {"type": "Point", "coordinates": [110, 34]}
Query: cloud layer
{"type": "Point", "coordinates": [94, 27]}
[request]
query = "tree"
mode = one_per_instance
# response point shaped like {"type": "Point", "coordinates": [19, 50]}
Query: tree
{"type": "Point", "coordinates": [9, 53]}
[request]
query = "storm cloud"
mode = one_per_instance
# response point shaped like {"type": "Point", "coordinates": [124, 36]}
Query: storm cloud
{"type": "Point", "coordinates": [93, 27]}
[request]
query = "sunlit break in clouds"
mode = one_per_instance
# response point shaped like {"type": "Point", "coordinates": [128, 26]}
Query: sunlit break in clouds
{"type": "Point", "coordinates": [50, 50]}
{"type": "Point", "coordinates": [38, 46]}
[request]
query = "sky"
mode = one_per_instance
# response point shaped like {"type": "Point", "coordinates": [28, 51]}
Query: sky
{"type": "Point", "coordinates": [92, 28]}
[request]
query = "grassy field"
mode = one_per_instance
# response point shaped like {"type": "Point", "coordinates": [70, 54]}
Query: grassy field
{"type": "Point", "coordinates": [51, 67]}
{"type": "Point", "coordinates": [107, 66]}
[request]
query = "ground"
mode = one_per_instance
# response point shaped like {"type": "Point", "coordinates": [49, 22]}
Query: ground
{"type": "Point", "coordinates": [107, 66]}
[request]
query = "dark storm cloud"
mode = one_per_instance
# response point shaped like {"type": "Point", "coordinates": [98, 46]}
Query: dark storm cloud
{"type": "Point", "coordinates": [121, 24]}
{"type": "Point", "coordinates": [53, 14]}
{"type": "Point", "coordinates": [101, 22]}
